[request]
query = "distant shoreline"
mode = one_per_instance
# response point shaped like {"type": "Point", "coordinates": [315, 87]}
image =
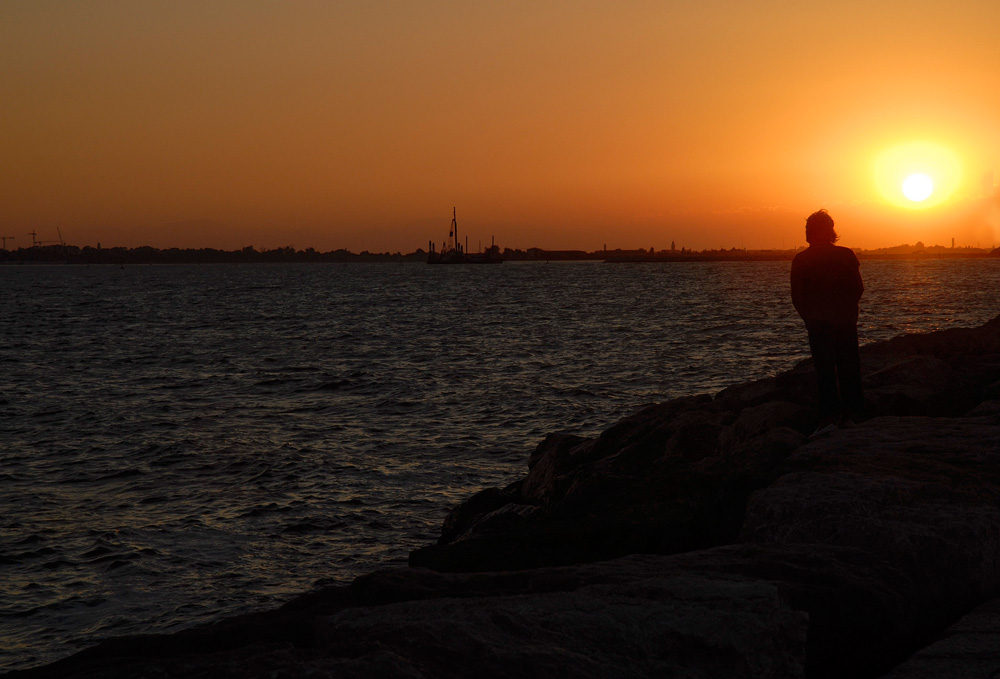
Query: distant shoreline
{"type": "Point", "coordinates": [68, 254]}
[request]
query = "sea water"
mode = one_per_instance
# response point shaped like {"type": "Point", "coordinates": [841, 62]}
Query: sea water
{"type": "Point", "coordinates": [184, 443]}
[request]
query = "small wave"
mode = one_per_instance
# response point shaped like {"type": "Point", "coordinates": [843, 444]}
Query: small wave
{"type": "Point", "coordinates": [57, 563]}
{"type": "Point", "coordinates": [314, 527]}
{"type": "Point", "coordinates": [178, 386]}
{"type": "Point", "coordinates": [32, 554]}
{"type": "Point", "coordinates": [575, 391]}
{"type": "Point", "coordinates": [333, 385]}
{"type": "Point", "coordinates": [397, 406]}
{"type": "Point", "coordinates": [355, 501]}
{"type": "Point", "coordinates": [120, 561]}
{"type": "Point", "coordinates": [83, 479]}
{"type": "Point", "coordinates": [30, 540]}
{"type": "Point", "coordinates": [301, 369]}
{"type": "Point", "coordinates": [273, 382]}
{"type": "Point", "coordinates": [267, 509]}
{"type": "Point", "coordinates": [312, 409]}
{"type": "Point", "coordinates": [123, 474]}
{"type": "Point", "coordinates": [47, 413]}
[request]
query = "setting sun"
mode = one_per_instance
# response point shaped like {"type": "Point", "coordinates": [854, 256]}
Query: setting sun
{"type": "Point", "coordinates": [917, 174]}
{"type": "Point", "coordinates": [918, 187]}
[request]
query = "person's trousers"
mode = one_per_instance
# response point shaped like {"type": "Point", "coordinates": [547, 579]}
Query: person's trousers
{"type": "Point", "coordinates": [837, 360]}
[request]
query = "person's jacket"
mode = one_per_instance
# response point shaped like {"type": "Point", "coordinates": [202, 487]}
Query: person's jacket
{"type": "Point", "coordinates": [826, 284]}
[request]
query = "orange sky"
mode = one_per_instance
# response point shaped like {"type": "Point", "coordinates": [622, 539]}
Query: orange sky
{"type": "Point", "coordinates": [361, 123]}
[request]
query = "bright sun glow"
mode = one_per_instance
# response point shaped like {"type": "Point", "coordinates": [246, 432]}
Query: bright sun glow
{"type": "Point", "coordinates": [918, 187]}
{"type": "Point", "coordinates": [928, 174]}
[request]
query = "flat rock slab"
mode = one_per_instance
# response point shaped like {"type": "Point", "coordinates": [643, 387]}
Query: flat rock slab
{"type": "Point", "coordinates": [656, 627]}
{"type": "Point", "coordinates": [642, 616]}
{"type": "Point", "coordinates": [741, 611]}
{"type": "Point", "coordinates": [920, 493]}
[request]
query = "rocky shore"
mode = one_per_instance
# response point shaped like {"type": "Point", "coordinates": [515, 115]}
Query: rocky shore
{"type": "Point", "coordinates": [702, 537]}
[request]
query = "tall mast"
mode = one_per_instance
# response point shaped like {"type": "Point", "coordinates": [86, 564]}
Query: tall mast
{"type": "Point", "coordinates": [454, 228]}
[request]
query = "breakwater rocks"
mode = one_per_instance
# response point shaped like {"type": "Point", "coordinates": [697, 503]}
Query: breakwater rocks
{"type": "Point", "coordinates": [703, 537]}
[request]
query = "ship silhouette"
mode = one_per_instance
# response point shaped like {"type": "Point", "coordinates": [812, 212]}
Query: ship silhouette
{"type": "Point", "coordinates": [452, 252]}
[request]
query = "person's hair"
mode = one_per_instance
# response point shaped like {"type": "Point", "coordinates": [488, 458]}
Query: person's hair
{"type": "Point", "coordinates": [819, 228]}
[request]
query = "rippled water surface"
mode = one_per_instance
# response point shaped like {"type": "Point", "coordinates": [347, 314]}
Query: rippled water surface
{"type": "Point", "coordinates": [181, 443]}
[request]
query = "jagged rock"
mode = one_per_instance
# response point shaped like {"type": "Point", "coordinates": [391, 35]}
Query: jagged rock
{"type": "Point", "coordinates": [926, 385]}
{"type": "Point", "coordinates": [927, 372]}
{"type": "Point", "coordinates": [985, 409]}
{"type": "Point", "coordinates": [762, 452]}
{"type": "Point", "coordinates": [954, 342]}
{"type": "Point", "coordinates": [666, 480]}
{"type": "Point", "coordinates": [465, 517]}
{"type": "Point", "coordinates": [505, 518]}
{"type": "Point", "coordinates": [755, 421]}
{"type": "Point", "coordinates": [553, 458]}
{"type": "Point", "coordinates": [797, 385]}
{"type": "Point", "coordinates": [676, 476]}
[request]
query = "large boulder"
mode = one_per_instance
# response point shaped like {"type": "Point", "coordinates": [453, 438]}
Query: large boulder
{"type": "Point", "coordinates": [922, 494]}
{"type": "Point", "coordinates": [670, 479]}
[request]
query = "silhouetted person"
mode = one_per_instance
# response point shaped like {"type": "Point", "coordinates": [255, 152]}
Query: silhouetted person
{"type": "Point", "coordinates": [826, 288]}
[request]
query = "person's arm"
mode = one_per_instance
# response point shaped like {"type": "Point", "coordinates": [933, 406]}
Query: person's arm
{"type": "Point", "coordinates": [798, 284]}
{"type": "Point", "coordinates": [857, 285]}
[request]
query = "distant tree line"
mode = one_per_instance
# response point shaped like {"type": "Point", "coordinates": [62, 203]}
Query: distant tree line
{"type": "Point", "coordinates": [70, 254]}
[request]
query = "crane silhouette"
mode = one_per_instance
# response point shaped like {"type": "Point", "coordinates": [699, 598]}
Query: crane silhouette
{"type": "Point", "coordinates": [35, 242]}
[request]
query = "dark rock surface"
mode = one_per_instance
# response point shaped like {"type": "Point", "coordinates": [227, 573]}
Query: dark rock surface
{"type": "Point", "coordinates": [641, 616]}
{"type": "Point", "coordinates": [702, 537]}
{"type": "Point", "coordinates": [967, 650]}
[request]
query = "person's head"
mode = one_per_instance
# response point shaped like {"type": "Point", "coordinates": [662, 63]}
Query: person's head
{"type": "Point", "coordinates": [819, 228]}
